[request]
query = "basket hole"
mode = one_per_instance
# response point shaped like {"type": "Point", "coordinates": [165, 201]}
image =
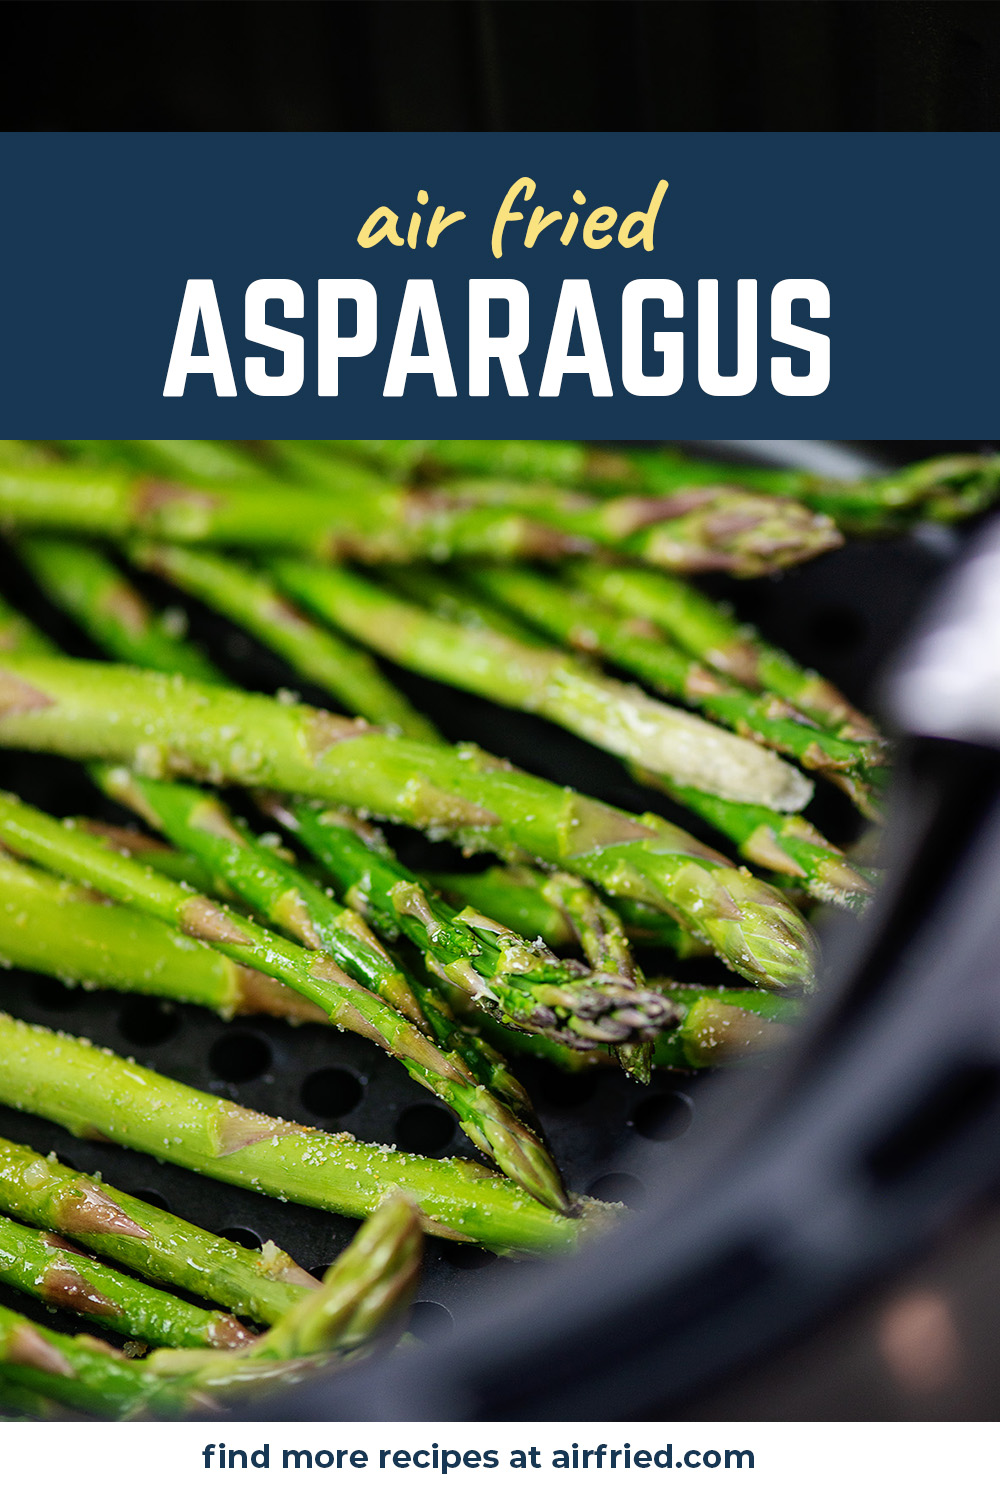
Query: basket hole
{"type": "Point", "coordinates": [56, 997]}
{"type": "Point", "coordinates": [425, 1129]}
{"type": "Point", "coordinates": [152, 1197]}
{"type": "Point", "coordinates": [429, 1320]}
{"type": "Point", "coordinates": [319, 1271]}
{"type": "Point", "coordinates": [566, 1090]}
{"type": "Point", "coordinates": [465, 1257]}
{"type": "Point", "coordinates": [240, 1057]}
{"type": "Point", "coordinates": [619, 1187]}
{"type": "Point", "coordinates": [240, 1235]}
{"type": "Point", "coordinates": [664, 1117]}
{"type": "Point", "coordinates": [147, 1022]}
{"type": "Point", "coordinates": [331, 1092]}
{"type": "Point", "coordinates": [954, 1106]}
{"type": "Point", "coordinates": [837, 628]}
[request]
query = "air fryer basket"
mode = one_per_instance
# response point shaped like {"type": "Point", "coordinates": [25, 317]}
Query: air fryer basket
{"type": "Point", "coordinates": [745, 1235]}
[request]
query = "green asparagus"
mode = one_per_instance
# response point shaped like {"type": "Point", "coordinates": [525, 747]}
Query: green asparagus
{"type": "Point", "coordinates": [371, 1282]}
{"type": "Point", "coordinates": [79, 579]}
{"type": "Point", "coordinates": [247, 597]}
{"type": "Point", "coordinates": [709, 632]}
{"type": "Point", "coordinates": [81, 856]}
{"type": "Point", "coordinates": [721, 1026]}
{"type": "Point", "coordinates": [374, 522]}
{"type": "Point", "coordinates": [165, 726]}
{"type": "Point", "coordinates": [57, 927]}
{"type": "Point", "coordinates": [262, 1285]}
{"type": "Point", "coordinates": [775, 840]}
{"type": "Point", "coordinates": [519, 897]}
{"type": "Point", "coordinates": [87, 1089]}
{"type": "Point", "coordinates": [614, 715]}
{"type": "Point", "coordinates": [938, 489]}
{"type": "Point", "coordinates": [581, 621]}
{"type": "Point", "coordinates": [48, 1268]}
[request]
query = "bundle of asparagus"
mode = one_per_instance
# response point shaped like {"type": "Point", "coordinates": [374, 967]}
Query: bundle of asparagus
{"type": "Point", "coordinates": [942, 489]}
{"type": "Point", "coordinates": [455, 974]}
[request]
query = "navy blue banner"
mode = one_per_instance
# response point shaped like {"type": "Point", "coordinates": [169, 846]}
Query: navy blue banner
{"type": "Point", "coordinates": [613, 286]}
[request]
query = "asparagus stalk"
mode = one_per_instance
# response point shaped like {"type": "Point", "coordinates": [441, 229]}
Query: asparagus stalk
{"type": "Point", "coordinates": [789, 845]}
{"type": "Point", "coordinates": [718, 527]}
{"type": "Point", "coordinates": [938, 489]}
{"type": "Point", "coordinates": [370, 1282]}
{"type": "Point", "coordinates": [146, 648]}
{"type": "Point", "coordinates": [18, 634]}
{"type": "Point", "coordinates": [57, 927]}
{"type": "Point", "coordinates": [364, 1292]}
{"type": "Point", "coordinates": [88, 1089]}
{"type": "Point", "coordinates": [520, 897]}
{"type": "Point", "coordinates": [80, 855]}
{"type": "Point", "coordinates": [375, 522]}
{"type": "Point", "coordinates": [425, 1006]}
{"type": "Point", "coordinates": [194, 461]}
{"type": "Point", "coordinates": [81, 580]}
{"type": "Point", "coordinates": [82, 1373]}
{"type": "Point", "coordinates": [721, 1026]}
{"type": "Point", "coordinates": [433, 1013]}
{"type": "Point", "coordinates": [47, 1268]}
{"type": "Point", "coordinates": [277, 890]}
{"type": "Point", "coordinates": [573, 465]}
{"type": "Point", "coordinates": [246, 596]}
{"type": "Point", "coordinates": [581, 621]}
{"type": "Point", "coordinates": [709, 632]}
{"type": "Point", "coordinates": [614, 715]}
{"type": "Point", "coordinates": [710, 528]}
{"type": "Point", "coordinates": [367, 1288]}
{"type": "Point", "coordinates": [489, 964]}
{"type": "Point", "coordinates": [262, 1285]}
{"type": "Point", "coordinates": [18, 1404]}
{"type": "Point", "coordinates": [164, 726]}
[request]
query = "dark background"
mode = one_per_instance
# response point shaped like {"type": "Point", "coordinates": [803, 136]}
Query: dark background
{"type": "Point", "coordinates": [502, 65]}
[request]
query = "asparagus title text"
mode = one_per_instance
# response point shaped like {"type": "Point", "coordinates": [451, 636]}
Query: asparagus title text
{"type": "Point", "coordinates": [653, 358]}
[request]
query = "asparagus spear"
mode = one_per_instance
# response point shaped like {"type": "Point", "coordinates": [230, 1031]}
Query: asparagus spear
{"type": "Point", "coordinates": [57, 927]}
{"type": "Point", "coordinates": [640, 647]}
{"type": "Point", "coordinates": [195, 461]}
{"type": "Point", "coordinates": [365, 1289]}
{"type": "Point", "coordinates": [789, 845]}
{"type": "Point", "coordinates": [614, 715]}
{"type": "Point", "coordinates": [721, 1026]}
{"type": "Point", "coordinates": [83, 582]}
{"type": "Point", "coordinates": [18, 1404]}
{"type": "Point", "coordinates": [375, 522]}
{"type": "Point", "coordinates": [262, 1285]}
{"type": "Point", "coordinates": [708, 631]}
{"type": "Point", "coordinates": [75, 853]}
{"type": "Point", "coordinates": [939, 489]}
{"type": "Point", "coordinates": [88, 1089]}
{"type": "Point", "coordinates": [46, 1267]}
{"type": "Point", "coordinates": [164, 726]}
{"type": "Point", "coordinates": [246, 596]}
{"type": "Point", "coordinates": [81, 1372]}
{"type": "Point", "coordinates": [487, 1066]}
{"type": "Point", "coordinates": [146, 647]}
{"type": "Point", "coordinates": [520, 897]}
{"type": "Point", "coordinates": [717, 527]}
{"type": "Point", "coordinates": [359, 1292]}
{"type": "Point", "coordinates": [581, 621]}
{"type": "Point", "coordinates": [363, 1293]}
